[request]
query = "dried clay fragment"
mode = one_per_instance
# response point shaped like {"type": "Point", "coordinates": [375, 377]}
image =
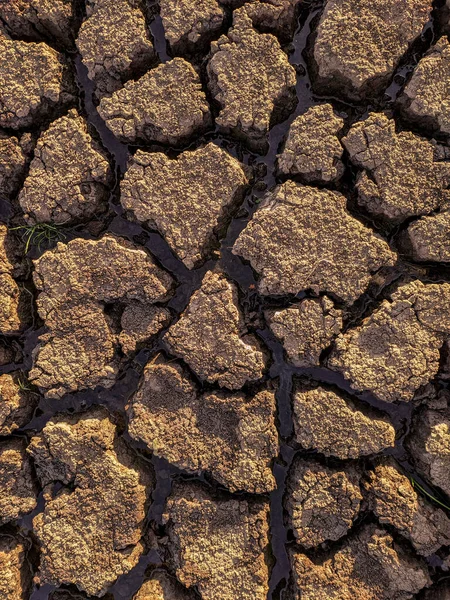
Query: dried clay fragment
{"type": "Point", "coordinates": [252, 81]}
{"type": "Point", "coordinates": [12, 312]}
{"type": "Point", "coordinates": [17, 488]}
{"type": "Point", "coordinates": [219, 546]}
{"type": "Point", "coordinates": [397, 348]}
{"type": "Point", "coordinates": [232, 437]}
{"type": "Point", "coordinates": [166, 105]}
{"type": "Point", "coordinates": [281, 244]}
{"type": "Point", "coordinates": [13, 162]}
{"type": "Point", "coordinates": [428, 238]}
{"type": "Point", "coordinates": [15, 573]}
{"type": "Point", "coordinates": [162, 586]}
{"type": "Point", "coordinates": [69, 176]}
{"type": "Point", "coordinates": [189, 200]}
{"type": "Point", "coordinates": [333, 425]}
{"type": "Point", "coordinates": [76, 282]}
{"type": "Point", "coordinates": [17, 403]}
{"type": "Point", "coordinates": [369, 566]}
{"type": "Point", "coordinates": [401, 176]}
{"type": "Point", "coordinates": [321, 501]}
{"type": "Point", "coordinates": [359, 44]}
{"type": "Point", "coordinates": [114, 43]}
{"type": "Point", "coordinates": [90, 531]}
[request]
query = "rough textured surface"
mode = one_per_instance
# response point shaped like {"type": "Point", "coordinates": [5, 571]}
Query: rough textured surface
{"type": "Point", "coordinates": [190, 24]}
{"type": "Point", "coordinates": [15, 575]}
{"type": "Point", "coordinates": [162, 586]}
{"type": "Point", "coordinates": [306, 329]}
{"type": "Point", "coordinates": [250, 78]}
{"type": "Point", "coordinates": [395, 502]}
{"type": "Point", "coordinates": [401, 176]}
{"type": "Point", "coordinates": [211, 336]}
{"type": "Point", "coordinates": [359, 44]}
{"type": "Point", "coordinates": [370, 566]}
{"type": "Point", "coordinates": [397, 348]}
{"type": "Point", "coordinates": [321, 501]}
{"type": "Point", "coordinates": [232, 437]}
{"type": "Point", "coordinates": [438, 592]}
{"type": "Point", "coordinates": [275, 16]}
{"type": "Point", "coordinates": [280, 242]}
{"type": "Point", "coordinates": [90, 530]}
{"type": "Point", "coordinates": [76, 281]}
{"type": "Point", "coordinates": [220, 546]}
{"type": "Point", "coordinates": [11, 313]}
{"type": "Point", "coordinates": [16, 403]}
{"type": "Point", "coordinates": [36, 82]}
{"type": "Point", "coordinates": [13, 161]}
{"type": "Point", "coordinates": [427, 239]}
{"type": "Point", "coordinates": [188, 200]}
{"type": "Point", "coordinates": [165, 105]}
{"type": "Point", "coordinates": [17, 489]}
{"type": "Point", "coordinates": [312, 149]}
{"type": "Point", "coordinates": [333, 425]}
{"type": "Point", "coordinates": [114, 43]}
{"type": "Point", "coordinates": [69, 175]}
{"type": "Point", "coordinates": [139, 323]}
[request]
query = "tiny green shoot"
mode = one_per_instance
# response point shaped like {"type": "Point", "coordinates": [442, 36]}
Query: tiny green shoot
{"type": "Point", "coordinates": [39, 235]}
{"type": "Point", "coordinates": [423, 491]}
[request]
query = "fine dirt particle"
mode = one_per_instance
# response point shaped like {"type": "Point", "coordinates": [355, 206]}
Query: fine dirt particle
{"type": "Point", "coordinates": [397, 349]}
{"type": "Point", "coordinates": [17, 489]}
{"type": "Point", "coordinates": [321, 501]}
{"type": "Point", "coordinates": [15, 575]}
{"type": "Point", "coordinates": [312, 149]}
{"type": "Point", "coordinates": [12, 315]}
{"type": "Point", "coordinates": [69, 176]}
{"type": "Point", "coordinates": [306, 329]}
{"type": "Point", "coordinates": [250, 78]}
{"type": "Point", "coordinates": [16, 404]}
{"type": "Point", "coordinates": [13, 161]}
{"type": "Point", "coordinates": [280, 242]}
{"type": "Point", "coordinates": [75, 282]}
{"type": "Point", "coordinates": [211, 336]}
{"type": "Point", "coordinates": [188, 200]}
{"type": "Point", "coordinates": [114, 43]}
{"type": "Point", "coordinates": [231, 437]}
{"type": "Point", "coordinates": [370, 566]}
{"type": "Point", "coordinates": [427, 239]}
{"type": "Point", "coordinates": [359, 45]}
{"type": "Point", "coordinates": [162, 586]}
{"type": "Point", "coordinates": [166, 105]}
{"type": "Point", "coordinates": [395, 502]}
{"type": "Point", "coordinates": [333, 425]}
{"type": "Point", "coordinates": [219, 546]}
{"type": "Point", "coordinates": [90, 531]}
{"type": "Point", "coordinates": [400, 175]}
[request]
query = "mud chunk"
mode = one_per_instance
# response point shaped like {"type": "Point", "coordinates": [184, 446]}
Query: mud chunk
{"type": "Point", "coordinates": [322, 502]}
{"type": "Point", "coordinates": [395, 502]}
{"type": "Point", "coordinates": [13, 160]}
{"type": "Point", "coordinates": [114, 43]}
{"type": "Point", "coordinates": [190, 24]}
{"type": "Point", "coordinates": [165, 105]}
{"type": "Point", "coordinates": [396, 350]}
{"type": "Point", "coordinates": [303, 238]}
{"type": "Point", "coordinates": [428, 238]}
{"type": "Point", "coordinates": [16, 404]}
{"type": "Point", "coordinates": [313, 150]}
{"type": "Point", "coordinates": [11, 320]}
{"type": "Point", "coordinates": [69, 175]}
{"type": "Point", "coordinates": [333, 425]}
{"type": "Point", "coordinates": [163, 587]}
{"type": "Point", "coordinates": [232, 437]}
{"type": "Point", "coordinates": [139, 324]}
{"type": "Point", "coordinates": [358, 46]}
{"type": "Point", "coordinates": [35, 84]}
{"type": "Point", "coordinates": [188, 200]}
{"type": "Point", "coordinates": [15, 575]}
{"type": "Point", "coordinates": [76, 283]}
{"type": "Point", "coordinates": [17, 489]}
{"type": "Point", "coordinates": [400, 176]}
{"type": "Point", "coordinates": [306, 329]}
{"type": "Point", "coordinates": [219, 546]}
{"type": "Point", "coordinates": [370, 566]}
{"type": "Point", "coordinates": [251, 79]}
{"type": "Point", "coordinates": [90, 530]}
{"type": "Point", "coordinates": [211, 336]}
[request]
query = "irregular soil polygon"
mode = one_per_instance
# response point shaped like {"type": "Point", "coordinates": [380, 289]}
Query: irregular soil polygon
{"type": "Point", "coordinates": [17, 488]}
{"type": "Point", "coordinates": [397, 348]}
{"type": "Point", "coordinates": [13, 161]}
{"type": "Point", "coordinates": [15, 574]}
{"type": "Point", "coordinates": [281, 244]}
{"type": "Point", "coordinates": [231, 437]}
{"type": "Point", "coordinates": [12, 317]}
{"type": "Point", "coordinates": [312, 150]}
{"type": "Point", "coordinates": [211, 336]}
{"type": "Point", "coordinates": [139, 323]}
{"type": "Point", "coordinates": [90, 531]}
{"type": "Point", "coordinates": [428, 238]}
{"type": "Point", "coordinates": [16, 403]}
{"type": "Point", "coordinates": [333, 425]}
{"type": "Point", "coordinates": [321, 502]}
{"type": "Point", "coordinates": [189, 199]}
{"type": "Point", "coordinates": [166, 105]}
{"type": "Point", "coordinates": [219, 546]}
{"type": "Point", "coordinates": [251, 79]}
{"type": "Point", "coordinates": [162, 586]}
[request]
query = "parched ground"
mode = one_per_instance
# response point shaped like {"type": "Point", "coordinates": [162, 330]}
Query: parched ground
{"type": "Point", "coordinates": [224, 300]}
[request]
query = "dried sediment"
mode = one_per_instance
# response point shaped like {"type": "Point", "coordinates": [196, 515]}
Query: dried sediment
{"type": "Point", "coordinates": [17, 487]}
{"type": "Point", "coordinates": [427, 239]}
{"type": "Point", "coordinates": [17, 403]}
{"type": "Point", "coordinates": [13, 162]}
{"type": "Point", "coordinates": [162, 586]}
{"type": "Point", "coordinates": [15, 573]}
{"type": "Point", "coordinates": [12, 313]}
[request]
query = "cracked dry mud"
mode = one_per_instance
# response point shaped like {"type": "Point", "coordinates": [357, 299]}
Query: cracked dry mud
{"type": "Point", "coordinates": [224, 300]}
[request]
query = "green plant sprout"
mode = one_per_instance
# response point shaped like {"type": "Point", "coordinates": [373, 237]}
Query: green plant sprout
{"type": "Point", "coordinates": [422, 490]}
{"type": "Point", "coordinates": [39, 234]}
